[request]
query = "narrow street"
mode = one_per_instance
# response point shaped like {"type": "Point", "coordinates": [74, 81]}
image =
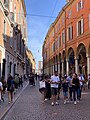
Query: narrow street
{"type": "Point", "coordinates": [30, 107]}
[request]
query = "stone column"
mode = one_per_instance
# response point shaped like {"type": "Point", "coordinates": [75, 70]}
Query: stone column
{"type": "Point", "coordinates": [53, 69]}
{"type": "Point", "coordinates": [67, 67]}
{"type": "Point", "coordinates": [62, 68]}
{"type": "Point", "coordinates": [58, 67]}
{"type": "Point", "coordinates": [55, 66]}
{"type": "Point", "coordinates": [88, 64]}
{"type": "Point", "coordinates": [76, 65]}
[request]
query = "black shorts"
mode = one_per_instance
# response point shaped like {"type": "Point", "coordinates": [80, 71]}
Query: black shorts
{"type": "Point", "coordinates": [42, 90]}
{"type": "Point", "coordinates": [54, 91]}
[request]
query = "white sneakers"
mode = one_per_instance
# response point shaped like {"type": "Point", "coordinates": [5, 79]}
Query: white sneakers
{"type": "Point", "coordinates": [75, 102]}
{"type": "Point", "coordinates": [52, 104]}
{"type": "Point", "coordinates": [56, 103]}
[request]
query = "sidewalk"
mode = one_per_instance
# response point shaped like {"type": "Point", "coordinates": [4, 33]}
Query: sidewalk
{"type": "Point", "coordinates": [5, 107]}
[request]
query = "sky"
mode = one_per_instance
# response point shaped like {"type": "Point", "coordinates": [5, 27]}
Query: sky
{"type": "Point", "coordinates": [39, 21]}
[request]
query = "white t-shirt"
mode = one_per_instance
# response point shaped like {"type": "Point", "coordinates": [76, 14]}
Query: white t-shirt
{"type": "Point", "coordinates": [0, 91]}
{"type": "Point", "coordinates": [0, 84]}
{"type": "Point", "coordinates": [81, 78]}
{"type": "Point", "coordinates": [42, 84]}
{"type": "Point", "coordinates": [54, 79]}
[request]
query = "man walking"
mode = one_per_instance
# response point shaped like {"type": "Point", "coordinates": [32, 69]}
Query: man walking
{"type": "Point", "coordinates": [54, 87]}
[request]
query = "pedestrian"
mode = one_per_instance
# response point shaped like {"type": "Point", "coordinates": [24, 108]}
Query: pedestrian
{"type": "Point", "coordinates": [69, 79]}
{"type": "Point", "coordinates": [31, 79]}
{"type": "Point", "coordinates": [65, 91]}
{"type": "Point", "coordinates": [54, 87]}
{"type": "Point", "coordinates": [42, 88]}
{"type": "Point", "coordinates": [10, 88]}
{"type": "Point", "coordinates": [59, 86]}
{"type": "Point", "coordinates": [88, 81]}
{"type": "Point", "coordinates": [16, 81]}
{"type": "Point", "coordinates": [75, 88]}
{"type": "Point", "coordinates": [48, 87]}
{"type": "Point", "coordinates": [1, 87]}
{"type": "Point", "coordinates": [81, 79]}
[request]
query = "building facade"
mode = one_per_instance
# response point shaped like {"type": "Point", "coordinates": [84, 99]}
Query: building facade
{"type": "Point", "coordinates": [30, 62]}
{"type": "Point", "coordinates": [13, 37]}
{"type": "Point", "coordinates": [40, 66]}
{"type": "Point", "coordinates": [66, 47]}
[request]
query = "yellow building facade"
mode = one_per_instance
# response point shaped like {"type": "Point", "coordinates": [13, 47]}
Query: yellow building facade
{"type": "Point", "coordinates": [30, 63]}
{"type": "Point", "coordinates": [13, 37]}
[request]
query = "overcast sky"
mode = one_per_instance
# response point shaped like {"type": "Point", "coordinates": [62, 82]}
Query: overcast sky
{"type": "Point", "coordinates": [38, 21]}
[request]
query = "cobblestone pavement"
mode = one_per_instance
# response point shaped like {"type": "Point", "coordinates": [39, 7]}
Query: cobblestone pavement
{"type": "Point", "coordinates": [5, 106]}
{"type": "Point", "coordinates": [29, 107]}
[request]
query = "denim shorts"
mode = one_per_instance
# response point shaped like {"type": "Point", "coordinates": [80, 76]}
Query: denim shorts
{"type": "Point", "coordinates": [65, 94]}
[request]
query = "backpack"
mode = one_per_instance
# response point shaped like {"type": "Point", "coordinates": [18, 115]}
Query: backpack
{"type": "Point", "coordinates": [12, 86]}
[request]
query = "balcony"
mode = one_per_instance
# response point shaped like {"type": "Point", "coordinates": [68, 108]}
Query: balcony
{"type": "Point", "coordinates": [6, 7]}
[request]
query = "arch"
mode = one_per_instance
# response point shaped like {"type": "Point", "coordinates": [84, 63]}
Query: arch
{"type": "Point", "coordinates": [82, 60]}
{"type": "Point", "coordinates": [81, 48]}
{"type": "Point", "coordinates": [63, 54]}
{"type": "Point", "coordinates": [70, 58]}
{"type": "Point", "coordinates": [89, 50]}
{"type": "Point", "coordinates": [70, 51]}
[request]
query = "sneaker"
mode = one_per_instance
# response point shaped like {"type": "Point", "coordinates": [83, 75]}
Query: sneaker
{"type": "Point", "coordinates": [56, 103]}
{"type": "Point", "coordinates": [67, 101]}
{"type": "Point", "coordinates": [8, 102]}
{"type": "Point", "coordinates": [75, 102]}
{"type": "Point", "coordinates": [45, 99]}
{"type": "Point", "coordinates": [52, 104]}
{"type": "Point", "coordinates": [64, 102]}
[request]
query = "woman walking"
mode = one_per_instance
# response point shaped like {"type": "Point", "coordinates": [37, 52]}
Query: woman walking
{"type": "Point", "coordinates": [10, 88]}
{"type": "Point", "coordinates": [75, 88]}
{"type": "Point", "coordinates": [48, 87]}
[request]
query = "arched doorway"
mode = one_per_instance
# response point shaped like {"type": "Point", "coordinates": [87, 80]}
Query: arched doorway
{"type": "Point", "coordinates": [89, 50]}
{"type": "Point", "coordinates": [64, 62]}
{"type": "Point", "coordinates": [82, 60]}
{"type": "Point", "coordinates": [71, 60]}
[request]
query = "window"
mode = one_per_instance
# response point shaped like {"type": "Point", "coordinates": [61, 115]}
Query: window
{"type": "Point", "coordinates": [63, 20]}
{"type": "Point", "coordinates": [70, 33]}
{"type": "Point", "coordinates": [5, 30]}
{"type": "Point", "coordinates": [63, 36]}
{"type": "Point", "coordinates": [56, 44]}
{"type": "Point", "coordinates": [58, 26]}
{"type": "Point", "coordinates": [14, 12]}
{"type": "Point", "coordinates": [80, 27]}
{"type": "Point", "coordinates": [59, 41]}
{"type": "Point", "coordinates": [53, 47]}
{"type": "Point", "coordinates": [11, 38]}
{"type": "Point", "coordinates": [80, 5]}
{"type": "Point", "coordinates": [69, 14]}
{"type": "Point", "coordinates": [11, 6]}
